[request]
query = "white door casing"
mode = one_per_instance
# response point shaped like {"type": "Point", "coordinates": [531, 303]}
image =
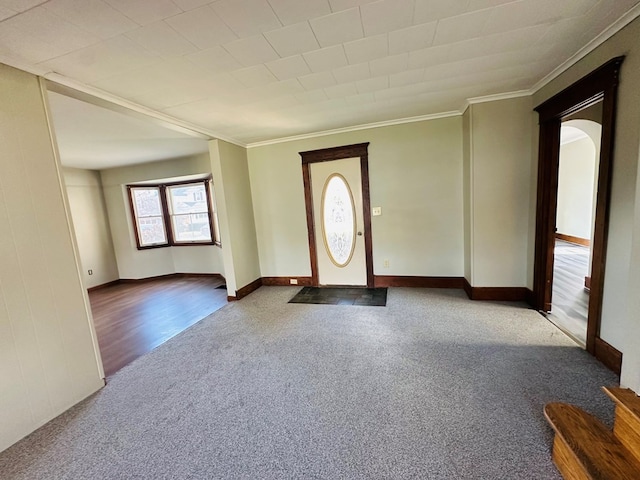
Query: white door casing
{"type": "Point", "coordinates": [339, 230]}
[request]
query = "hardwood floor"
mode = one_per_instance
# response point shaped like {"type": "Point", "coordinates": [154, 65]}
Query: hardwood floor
{"type": "Point", "coordinates": [132, 319]}
{"type": "Point", "coordinates": [570, 301]}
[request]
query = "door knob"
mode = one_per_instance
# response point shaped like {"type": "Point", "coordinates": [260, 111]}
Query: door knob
{"type": "Point", "coordinates": [359, 234]}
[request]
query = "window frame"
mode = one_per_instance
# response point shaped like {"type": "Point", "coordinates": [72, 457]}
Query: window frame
{"type": "Point", "coordinates": [163, 189]}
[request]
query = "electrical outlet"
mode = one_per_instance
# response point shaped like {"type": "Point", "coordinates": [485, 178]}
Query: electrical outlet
{"type": "Point", "coordinates": [90, 272]}
{"type": "Point", "coordinates": [293, 281]}
{"type": "Point", "coordinates": [386, 264]}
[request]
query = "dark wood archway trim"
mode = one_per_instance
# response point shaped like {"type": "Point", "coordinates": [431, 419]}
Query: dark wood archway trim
{"type": "Point", "coordinates": [325, 155]}
{"type": "Point", "coordinates": [601, 84]}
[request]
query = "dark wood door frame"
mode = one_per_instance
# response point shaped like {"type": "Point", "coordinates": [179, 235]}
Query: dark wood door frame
{"type": "Point", "coordinates": [600, 85]}
{"type": "Point", "coordinates": [325, 155]}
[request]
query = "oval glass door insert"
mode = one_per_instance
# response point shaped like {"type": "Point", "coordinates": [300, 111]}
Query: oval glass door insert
{"type": "Point", "coordinates": [338, 220]}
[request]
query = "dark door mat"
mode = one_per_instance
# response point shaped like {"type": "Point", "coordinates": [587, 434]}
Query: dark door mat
{"type": "Point", "coordinates": [370, 297]}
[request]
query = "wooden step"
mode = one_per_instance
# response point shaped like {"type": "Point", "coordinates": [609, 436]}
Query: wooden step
{"type": "Point", "coordinates": [585, 449]}
{"type": "Point", "coordinates": [627, 423]}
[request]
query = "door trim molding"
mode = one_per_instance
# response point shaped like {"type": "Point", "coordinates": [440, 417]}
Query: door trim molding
{"type": "Point", "coordinates": [601, 84]}
{"type": "Point", "coordinates": [326, 155]}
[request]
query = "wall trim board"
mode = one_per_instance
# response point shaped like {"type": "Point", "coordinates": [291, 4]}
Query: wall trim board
{"type": "Point", "coordinates": [285, 281]}
{"type": "Point", "coordinates": [417, 282]}
{"type": "Point", "coordinates": [610, 356]}
{"type": "Point", "coordinates": [571, 239]}
{"type": "Point", "coordinates": [587, 283]}
{"type": "Point", "coordinates": [498, 294]}
{"type": "Point", "coordinates": [246, 290]}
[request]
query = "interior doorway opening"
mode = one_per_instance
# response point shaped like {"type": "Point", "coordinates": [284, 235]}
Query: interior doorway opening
{"type": "Point", "coordinates": [580, 140]}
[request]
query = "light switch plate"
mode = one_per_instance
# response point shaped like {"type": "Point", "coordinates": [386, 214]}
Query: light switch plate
{"type": "Point", "coordinates": [376, 211]}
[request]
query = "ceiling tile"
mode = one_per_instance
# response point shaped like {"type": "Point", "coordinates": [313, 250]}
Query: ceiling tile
{"type": "Point", "coordinates": [429, 56]}
{"type": "Point", "coordinates": [202, 27]}
{"type": "Point", "coordinates": [143, 12]}
{"type": "Point", "coordinates": [216, 59]}
{"type": "Point", "coordinates": [247, 17]}
{"type": "Point", "coordinates": [412, 38]}
{"type": "Point", "coordinates": [386, 15]}
{"type": "Point", "coordinates": [338, 5]}
{"type": "Point", "coordinates": [361, 99]}
{"type": "Point", "coordinates": [389, 65]}
{"type": "Point", "coordinates": [6, 13]}
{"type": "Point", "coordinates": [294, 11]}
{"type": "Point", "coordinates": [102, 60]}
{"type": "Point", "coordinates": [352, 73]}
{"type": "Point", "coordinates": [254, 76]}
{"type": "Point", "coordinates": [372, 84]}
{"type": "Point", "coordinates": [340, 91]}
{"type": "Point", "coordinates": [160, 38]}
{"type": "Point", "coordinates": [95, 16]}
{"type": "Point", "coordinates": [38, 35]}
{"type": "Point", "coordinates": [251, 50]}
{"type": "Point", "coordinates": [290, 67]}
{"type": "Point", "coordinates": [430, 10]}
{"type": "Point", "coordinates": [293, 39]}
{"type": "Point", "coordinates": [326, 58]}
{"type": "Point", "coordinates": [462, 27]}
{"type": "Point", "coordinates": [407, 77]}
{"type": "Point", "coordinates": [312, 96]}
{"type": "Point", "coordinates": [338, 27]}
{"type": "Point", "coordinates": [317, 80]}
{"type": "Point", "coordinates": [501, 42]}
{"type": "Point", "coordinates": [187, 5]}
{"type": "Point", "coordinates": [367, 49]}
{"type": "Point", "coordinates": [20, 5]}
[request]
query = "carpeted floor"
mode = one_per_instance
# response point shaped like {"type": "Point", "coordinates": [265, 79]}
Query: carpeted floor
{"type": "Point", "coordinates": [433, 386]}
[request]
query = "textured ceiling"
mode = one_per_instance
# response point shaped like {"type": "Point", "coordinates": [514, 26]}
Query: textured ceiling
{"type": "Point", "coordinates": [254, 70]}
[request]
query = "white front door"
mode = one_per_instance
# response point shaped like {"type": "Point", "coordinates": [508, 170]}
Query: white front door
{"type": "Point", "coordinates": [338, 222]}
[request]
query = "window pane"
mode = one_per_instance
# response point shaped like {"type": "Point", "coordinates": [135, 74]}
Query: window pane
{"type": "Point", "coordinates": [188, 199]}
{"type": "Point", "coordinates": [147, 202]}
{"type": "Point", "coordinates": [151, 231]}
{"type": "Point", "coordinates": [338, 220]}
{"type": "Point", "coordinates": [191, 228]}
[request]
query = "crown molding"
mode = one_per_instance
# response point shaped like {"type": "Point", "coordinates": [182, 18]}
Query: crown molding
{"type": "Point", "coordinates": [355, 128]}
{"type": "Point", "coordinates": [606, 34]}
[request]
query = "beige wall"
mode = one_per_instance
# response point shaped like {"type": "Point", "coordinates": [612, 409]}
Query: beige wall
{"type": "Point", "coordinates": [134, 263]}
{"type": "Point", "coordinates": [91, 226]}
{"type": "Point", "coordinates": [235, 209]}
{"type": "Point", "coordinates": [48, 353]}
{"type": "Point", "coordinates": [415, 175]}
{"type": "Point", "coordinates": [620, 316]}
{"type": "Point", "coordinates": [500, 156]}
{"type": "Point", "coordinates": [576, 183]}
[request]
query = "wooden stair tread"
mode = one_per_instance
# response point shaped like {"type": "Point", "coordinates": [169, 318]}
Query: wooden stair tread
{"type": "Point", "coordinates": [625, 398]}
{"type": "Point", "coordinates": [595, 447]}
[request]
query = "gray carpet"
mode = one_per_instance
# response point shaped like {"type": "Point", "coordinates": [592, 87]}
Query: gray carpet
{"type": "Point", "coordinates": [433, 386]}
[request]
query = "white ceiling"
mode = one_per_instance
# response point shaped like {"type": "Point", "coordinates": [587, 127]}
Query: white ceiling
{"type": "Point", "coordinates": [255, 70]}
{"type": "Point", "coordinates": [96, 138]}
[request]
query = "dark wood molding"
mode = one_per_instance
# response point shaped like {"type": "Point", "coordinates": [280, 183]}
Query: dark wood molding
{"type": "Point", "coordinates": [497, 294]}
{"type": "Point", "coordinates": [247, 289]}
{"type": "Point", "coordinates": [285, 281]}
{"type": "Point", "coordinates": [103, 285]}
{"type": "Point", "coordinates": [608, 355]}
{"type": "Point", "coordinates": [417, 282]}
{"type": "Point", "coordinates": [600, 85]}
{"type": "Point", "coordinates": [587, 283]}
{"type": "Point", "coordinates": [325, 155]}
{"type": "Point", "coordinates": [311, 229]}
{"type": "Point", "coordinates": [585, 242]}
{"type": "Point", "coordinates": [335, 153]}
